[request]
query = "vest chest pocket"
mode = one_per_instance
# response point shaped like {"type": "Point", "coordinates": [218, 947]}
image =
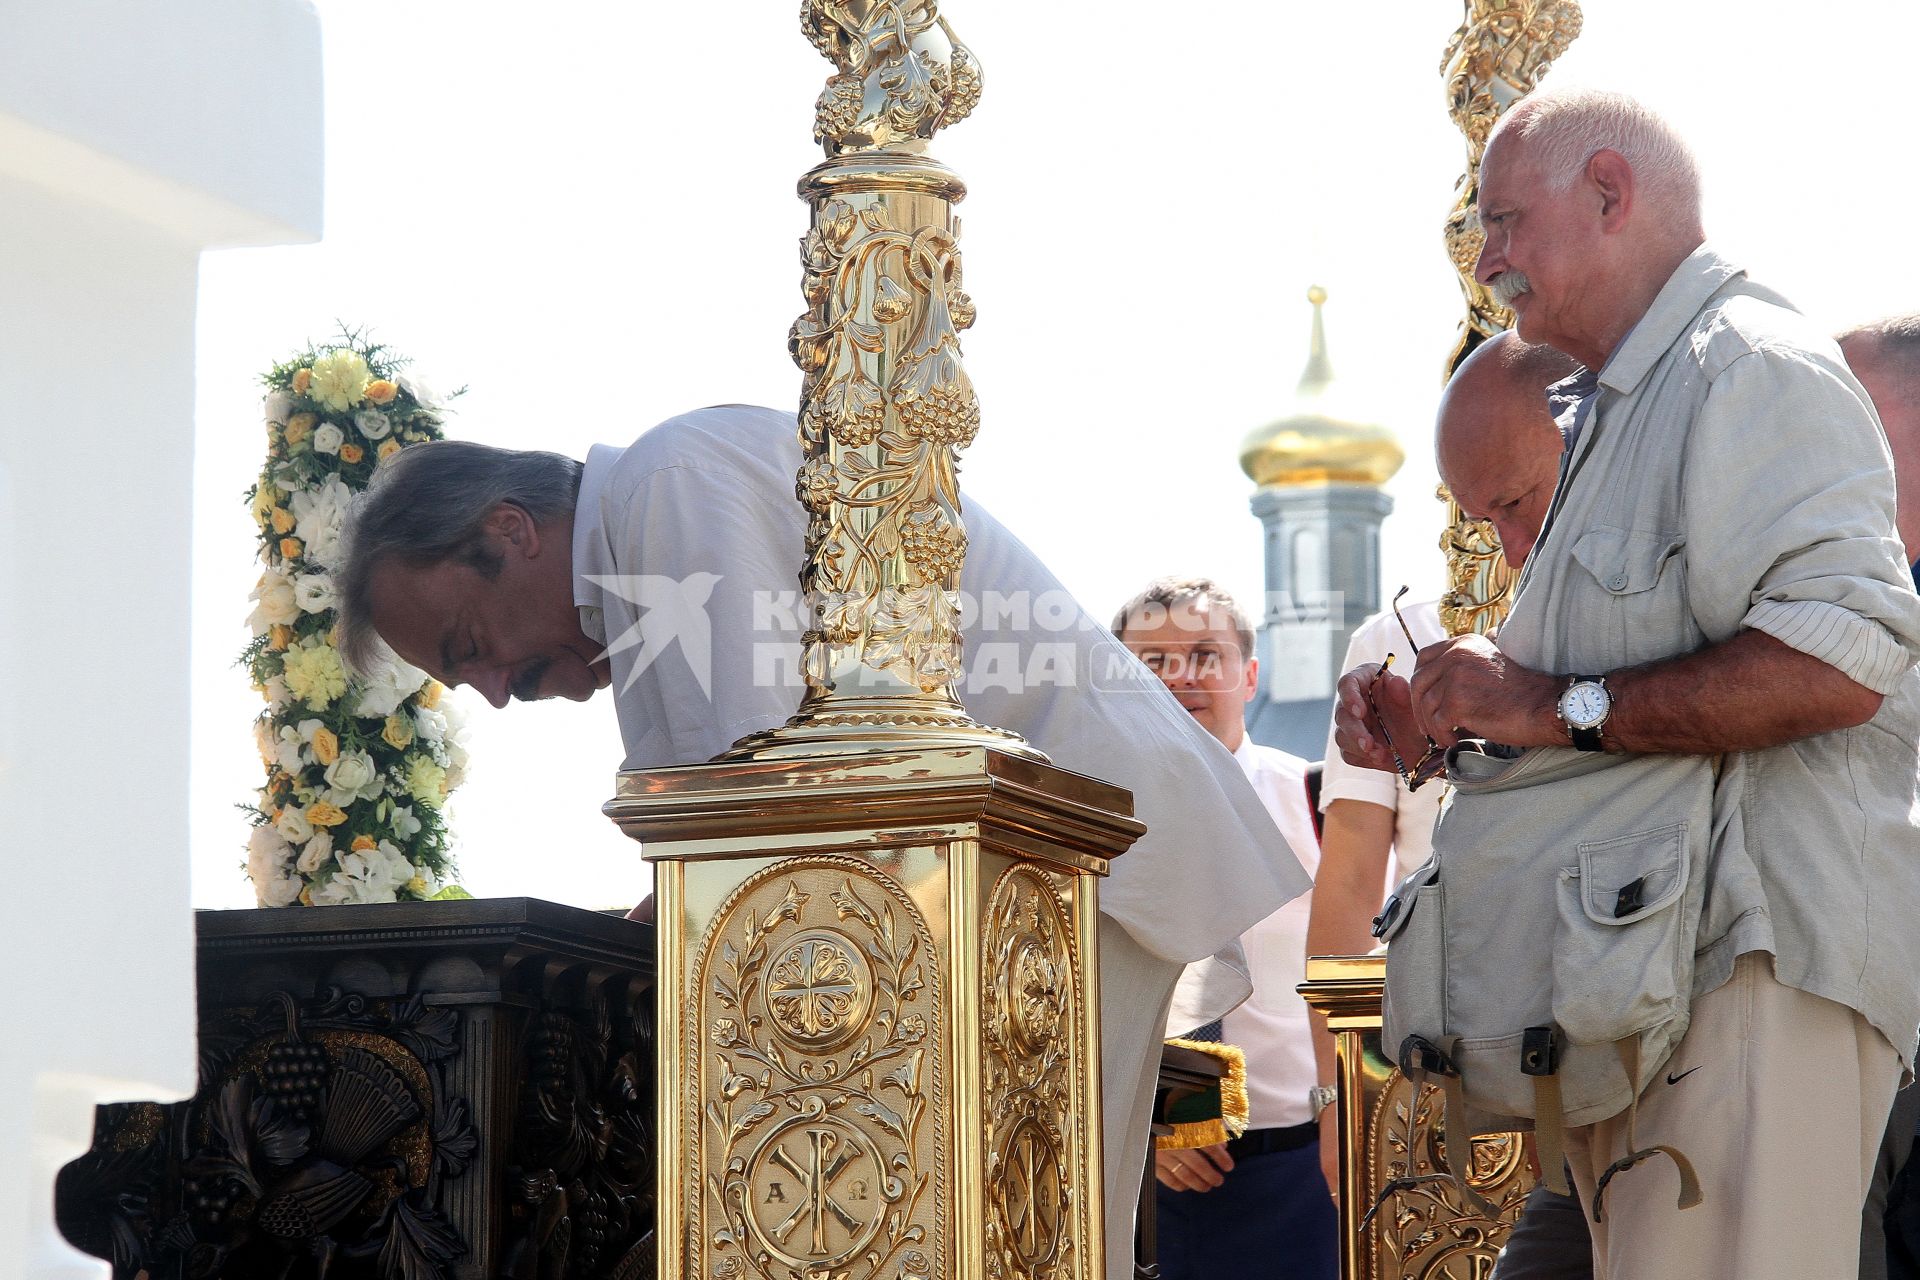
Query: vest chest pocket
{"type": "Point", "coordinates": [1643, 614]}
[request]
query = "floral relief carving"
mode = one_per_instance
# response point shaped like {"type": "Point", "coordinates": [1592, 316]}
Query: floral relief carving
{"type": "Point", "coordinates": [1034, 1112]}
{"type": "Point", "coordinates": [1431, 1231]}
{"type": "Point", "coordinates": [885, 405]}
{"type": "Point", "coordinates": [818, 1149]}
{"type": "Point", "coordinates": [900, 72]}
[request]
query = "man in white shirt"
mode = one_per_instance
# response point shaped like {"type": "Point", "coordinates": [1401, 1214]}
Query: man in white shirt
{"type": "Point", "coordinates": [518, 573]}
{"type": "Point", "coordinates": [1254, 1205]}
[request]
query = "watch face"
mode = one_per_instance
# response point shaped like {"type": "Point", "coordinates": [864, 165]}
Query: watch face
{"type": "Point", "coordinates": [1585, 705]}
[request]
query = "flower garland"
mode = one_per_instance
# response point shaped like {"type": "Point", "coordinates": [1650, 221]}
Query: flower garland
{"type": "Point", "coordinates": [357, 769]}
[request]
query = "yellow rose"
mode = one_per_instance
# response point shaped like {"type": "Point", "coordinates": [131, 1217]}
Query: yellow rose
{"type": "Point", "coordinates": [279, 636]}
{"type": "Point", "coordinates": [381, 391]}
{"type": "Point", "coordinates": [398, 733]}
{"type": "Point", "coordinates": [264, 499]}
{"type": "Point", "coordinates": [302, 379]}
{"type": "Point", "coordinates": [430, 694]}
{"type": "Point", "coordinates": [387, 449]}
{"type": "Point", "coordinates": [326, 747]}
{"type": "Point", "coordinates": [290, 548]}
{"type": "Point", "coordinates": [306, 896]}
{"type": "Point", "coordinates": [351, 453]}
{"type": "Point", "coordinates": [282, 520]}
{"type": "Point", "coordinates": [322, 814]}
{"type": "Point", "coordinates": [300, 426]}
{"type": "Point", "coordinates": [362, 843]}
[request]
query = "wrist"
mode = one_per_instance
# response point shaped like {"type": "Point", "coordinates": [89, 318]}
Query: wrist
{"type": "Point", "coordinates": [1585, 710]}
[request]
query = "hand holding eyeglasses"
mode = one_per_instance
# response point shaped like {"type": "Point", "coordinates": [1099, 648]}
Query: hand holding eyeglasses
{"type": "Point", "coordinates": [1375, 723]}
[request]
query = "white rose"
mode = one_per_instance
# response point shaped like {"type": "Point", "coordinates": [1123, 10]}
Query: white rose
{"type": "Point", "coordinates": [294, 826]}
{"type": "Point", "coordinates": [316, 853]}
{"type": "Point", "coordinates": [373, 424]}
{"type": "Point", "coordinates": [353, 777]}
{"type": "Point", "coordinates": [282, 890]}
{"type": "Point", "coordinates": [267, 851]}
{"type": "Point", "coordinates": [404, 824]}
{"type": "Point", "coordinates": [275, 602]}
{"type": "Point", "coordinates": [267, 857]}
{"type": "Point", "coordinates": [328, 438]}
{"type": "Point", "coordinates": [314, 592]}
{"type": "Point", "coordinates": [278, 407]}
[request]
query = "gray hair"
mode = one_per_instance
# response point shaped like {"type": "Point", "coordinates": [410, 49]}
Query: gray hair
{"type": "Point", "coordinates": [427, 505]}
{"type": "Point", "coordinates": [1566, 127]}
{"type": "Point", "coordinates": [1165, 594]}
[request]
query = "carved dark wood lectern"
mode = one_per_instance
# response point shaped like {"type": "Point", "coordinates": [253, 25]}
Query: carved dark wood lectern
{"type": "Point", "coordinates": [417, 1091]}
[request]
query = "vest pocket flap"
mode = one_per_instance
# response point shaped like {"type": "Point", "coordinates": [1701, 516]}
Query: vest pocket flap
{"type": "Point", "coordinates": [1400, 903]}
{"type": "Point", "coordinates": [1623, 561]}
{"type": "Point", "coordinates": [1631, 877]}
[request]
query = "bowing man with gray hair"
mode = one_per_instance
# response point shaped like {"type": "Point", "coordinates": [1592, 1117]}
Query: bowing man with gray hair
{"type": "Point", "coordinates": [530, 575]}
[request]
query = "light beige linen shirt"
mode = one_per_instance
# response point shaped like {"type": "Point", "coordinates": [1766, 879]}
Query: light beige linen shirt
{"type": "Point", "coordinates": [1731, 474]}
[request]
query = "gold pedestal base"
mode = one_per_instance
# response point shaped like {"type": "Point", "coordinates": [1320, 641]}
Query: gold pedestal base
{"type": "Point", "coordinates": [1429, 1232]}
{"type": "Point", "coordinates": [878, 1014]}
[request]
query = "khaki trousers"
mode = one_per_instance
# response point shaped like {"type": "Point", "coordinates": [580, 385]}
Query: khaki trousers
{"type": "Point", "coordinates": [1779, 1099]}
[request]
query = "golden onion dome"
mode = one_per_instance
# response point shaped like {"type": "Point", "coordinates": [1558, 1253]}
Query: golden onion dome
{"type": "Point", "coordinates": [1317, 443]}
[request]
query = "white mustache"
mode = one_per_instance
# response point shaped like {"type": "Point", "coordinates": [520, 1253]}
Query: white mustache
{"type": "Point", "coordinates": [1507, 286]}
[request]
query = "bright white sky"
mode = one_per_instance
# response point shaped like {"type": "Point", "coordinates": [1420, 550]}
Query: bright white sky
{"type": "Point", "coordinates": [585, 213]}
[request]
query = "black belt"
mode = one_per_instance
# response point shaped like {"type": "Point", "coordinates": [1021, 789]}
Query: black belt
{"type": "Point", "coordinates": [1259, 1142]}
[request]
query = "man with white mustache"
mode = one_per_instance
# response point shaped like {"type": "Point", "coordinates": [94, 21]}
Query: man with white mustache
{"type": "Point", "coordinates": [1719, 578]}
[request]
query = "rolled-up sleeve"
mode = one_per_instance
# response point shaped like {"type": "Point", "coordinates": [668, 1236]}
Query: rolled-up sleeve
{"type": "Point", "coordinates": [1790, 526]}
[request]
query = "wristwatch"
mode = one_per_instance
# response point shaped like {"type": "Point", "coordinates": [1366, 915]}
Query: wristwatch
{"type": "Point", "coordinates": [1320, 1097]}
{"type": "Point", "coordinates": [1584, 707]}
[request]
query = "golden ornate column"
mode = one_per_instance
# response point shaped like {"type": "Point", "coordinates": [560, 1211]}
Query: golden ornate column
{"type": "Point", "coordinates": [885, 402]}
{"type": "Point", "coordinates": [1498, 55]}
{"type": "Point", "coordinates": [1432, 1231]}
{"type": "Point", "coordinates": [879, 993]}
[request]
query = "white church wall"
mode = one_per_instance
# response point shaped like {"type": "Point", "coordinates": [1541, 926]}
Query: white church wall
{"type": "Point", "coordinates": [132, 136]}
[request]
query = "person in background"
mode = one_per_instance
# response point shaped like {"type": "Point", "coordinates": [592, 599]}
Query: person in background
{"type": "Point", "coordinates": [1253, 1205]}
{"type": "Point", "coordinates": [1885, 356]}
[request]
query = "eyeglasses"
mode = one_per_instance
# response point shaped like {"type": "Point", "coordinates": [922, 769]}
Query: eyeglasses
{"type": "Point", "coordinates": [1433, 762]}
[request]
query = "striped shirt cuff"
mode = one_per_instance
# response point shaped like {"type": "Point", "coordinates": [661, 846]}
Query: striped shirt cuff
{"type": "Point", "coordinates": [1859, 648]}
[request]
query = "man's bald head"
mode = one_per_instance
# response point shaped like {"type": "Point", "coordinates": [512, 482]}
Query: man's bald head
{"type": "Point", "coordinates": [1885, 356]}
{"type": "Point", "coordinates": [1496, 442]}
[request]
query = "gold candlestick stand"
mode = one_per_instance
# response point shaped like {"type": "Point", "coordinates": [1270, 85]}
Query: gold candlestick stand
{"type": "Point", "coordinates": [878, 986]}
